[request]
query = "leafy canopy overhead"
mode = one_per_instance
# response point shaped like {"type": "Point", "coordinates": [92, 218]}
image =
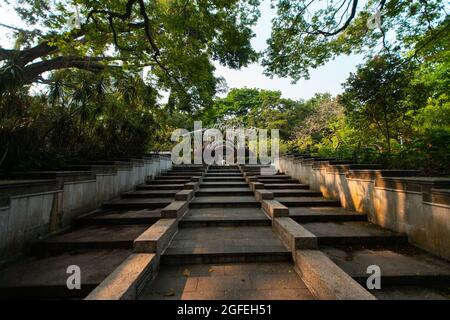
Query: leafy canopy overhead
{"type": "Point", "coordinates": [176, 39]}
{"type": "Point", "coordinates": [308, 33]}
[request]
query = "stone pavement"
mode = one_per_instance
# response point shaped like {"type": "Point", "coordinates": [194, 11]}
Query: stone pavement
{"type": "Point", "coordinates": [226, 248]}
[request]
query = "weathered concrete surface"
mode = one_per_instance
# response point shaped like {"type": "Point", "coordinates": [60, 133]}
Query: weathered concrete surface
{"type": "Point", "coordinates": [37, 210]}
{"type": "Point", "coordinates": [224, 214]}
{"type": "Point", "coordinates": [89, 238]}
{"type": "Point", "coordinates": [352, 232]}
{"type": "Point", "coordinates": [294, 235]}
{"type": "Point", "coordinates": [274, 209]}
{"type": "Point", "coordinates": [176, 209]}
{"type": "Point", "coordinates": [46, 277]}
{"type": "Point", "coordinates": [324, 214]}
{"type": "Point", "coordinates": [394, 199]}
{"type": "Point", "coordinates": [326, 280]}
{"type": "Point", "coordinates": [147, 217]}
{"type": "Point", "coordinates": [265, 281]}
{"type": "Point", "coordinates": [263, 195]}
{"type": "Point", "coordinates": [124, 283]}
{"type": "Point", "coordinates": [184, 195]}
{"type": "Point", "coordinates": [156, 238]}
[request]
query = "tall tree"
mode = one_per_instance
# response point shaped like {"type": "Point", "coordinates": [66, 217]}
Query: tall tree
{"type": "Point", "coordinates": [175, 39]}
{"type": "Point", "coordinates": [308, 33]}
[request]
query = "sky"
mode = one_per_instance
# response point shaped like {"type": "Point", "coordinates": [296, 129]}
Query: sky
{"type": "Point", "coordinates": [327, 78]}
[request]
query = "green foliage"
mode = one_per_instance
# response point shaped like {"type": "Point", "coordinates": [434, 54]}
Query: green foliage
{"type": "Point", "coordinates": [78, 117]}
{"type": "Point", "coordinates": [307, 34]}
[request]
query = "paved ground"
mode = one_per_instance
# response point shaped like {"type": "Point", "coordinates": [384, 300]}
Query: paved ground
{"type": "Point", "coordinates": [277, 281]}
{"type": "Point", "coordinates": [226, 249]}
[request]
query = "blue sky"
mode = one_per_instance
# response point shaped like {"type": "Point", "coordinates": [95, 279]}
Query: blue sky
{"type": "Point", "coordinates": [327, 78]}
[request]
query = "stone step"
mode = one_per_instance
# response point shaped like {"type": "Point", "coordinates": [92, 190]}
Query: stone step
{"type": "Point", "coordinates": [188, 167]}
{"type": "Point", "coordinates": [149, 186]}
{"type": "Point", "coordinates": [228, 281]}
{"type": "Point", "coordinates": [223, 171]}
{"type": "Point", "coordinates": [224, 217]}
{"type": "Point", "coordinates": [295, 193]}
{"type": "Point", "coordinates": [225, 245]}
{"type": "Point", "coordinates": [273, 176]}
{"type": "Point", "coordinates": [277, 180]}
{"type": "Point", "coordinates": [353, 233]}
{"type": "Point", "coordinates": [137, 203]}
{"type": "Point", "coordinates": [223, 179]}
{"type": "Point", "coordinates": [223, 174]}
{"type": "Point", "coordinates": [400, 265]}
{"type": "Point", "coordinates": [182, 173]}
{"type": "Point", "coordinates": [174, 177]}
{"type": "Point", "coordinates": [308, 202]}
{"type": "Point", "coordinates": [89, 238]}
{"type": "Point", "coordinates": [113, 217]}
{"type": "Point", "coordinates": [174, 181]}
{"type": "Point", "coordinates": [150, 194]}
{"type": "Point", "coordinates": [214, 202]}
{"type": "Point", "coordinates": [224, 192]}
{"type": "Point", "coordinates": [45, 278]}
{"type": "Point", "coordinates": [324, 214]}
{"type": "Point", "coordinates": [275, 186]}
{"type": "Point", "coordinates": [225, 184]}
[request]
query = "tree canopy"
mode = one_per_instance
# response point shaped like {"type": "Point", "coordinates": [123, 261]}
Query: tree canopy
{"type": "Point", "coordinates": [175, 39]}
{"type": "Point", "coordinates": [308, 33]}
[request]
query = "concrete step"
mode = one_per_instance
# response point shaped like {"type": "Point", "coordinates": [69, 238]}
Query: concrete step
{"type": "Point", "coordinates": [150, 194]}
{"type": "Point", "coordinates": [184, 167]}
{"type": "Point", "coordinates": [223, 179]}
{"type": "Point", "coordinates": [228, 281]}
{"type": "Point", "coordinates": [137, 203]}
{"type": "Point", "coordinates": [224, 192]}
{"type": "Point", "coordinates": [182, 173]}
{"type": "Point", "coordinates": [174, 181]}
{"type": "Point", "coordinates": [114, 217]}
{"type": "Point", "coordinates": [308, 202]}
{"type": "Point", "coordinates": [45, 278]}
{"type": "Point", "coordinates": [295, 193]}
{"type": "Point", "coordinates": [353, 233]}
{"type": "Point", "coordinates": [275, 186]}
{"type": "Point", "coordinates": [400, 266]}
{"type": "Point", "coordinates": [324, 214]}
{"type": "Point", "coordinates": [149, 186]}
{"type": "Point", "coordinates": [224, 201]}
{"type": "Point", "coordinates": [274, 176]}
{"type": "Point", "coordinates": [225, 245]}
{"type": "Point", "coordinates": [223, 171]}
{"type": "Point", "coordinates": [277, 180]}
{"type": "Point", "coordinates": [175, 177]}
{"type": "Point", "coordinates": [89, 238]}
{"type": "Point", "coordinates": [224, 217]}
{"type": "Point", "coordinates": [225, 184]}
{"type": "Point", "coordinates": [223, 174]}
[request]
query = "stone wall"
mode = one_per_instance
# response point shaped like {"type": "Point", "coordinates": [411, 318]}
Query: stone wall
{"type": "Point", "coordinates": [35, 204]}
{"type": "Point", "coordinates": [395, 199]}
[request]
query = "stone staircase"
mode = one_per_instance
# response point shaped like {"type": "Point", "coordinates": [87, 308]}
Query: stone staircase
{"type": "Point", "coordinates": [354, 244]}
{"type": "Point", "coordinates": [226, 248]}
{"type": "Point", "coordinates": [244, 236]}
{"type": "Point", "coordinates": [97, 242]}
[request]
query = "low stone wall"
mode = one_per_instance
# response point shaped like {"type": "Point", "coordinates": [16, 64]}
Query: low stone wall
{"type": "Point", "coordinates": [395, 199]}
{"type": "Point", "coordinates": [34, 204]}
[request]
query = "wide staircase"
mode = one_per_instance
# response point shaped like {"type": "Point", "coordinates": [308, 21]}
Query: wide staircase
{"type": "Point", "coordinates": [97, 243]}
{"type": "Point", "coordinates": [226, 246]}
